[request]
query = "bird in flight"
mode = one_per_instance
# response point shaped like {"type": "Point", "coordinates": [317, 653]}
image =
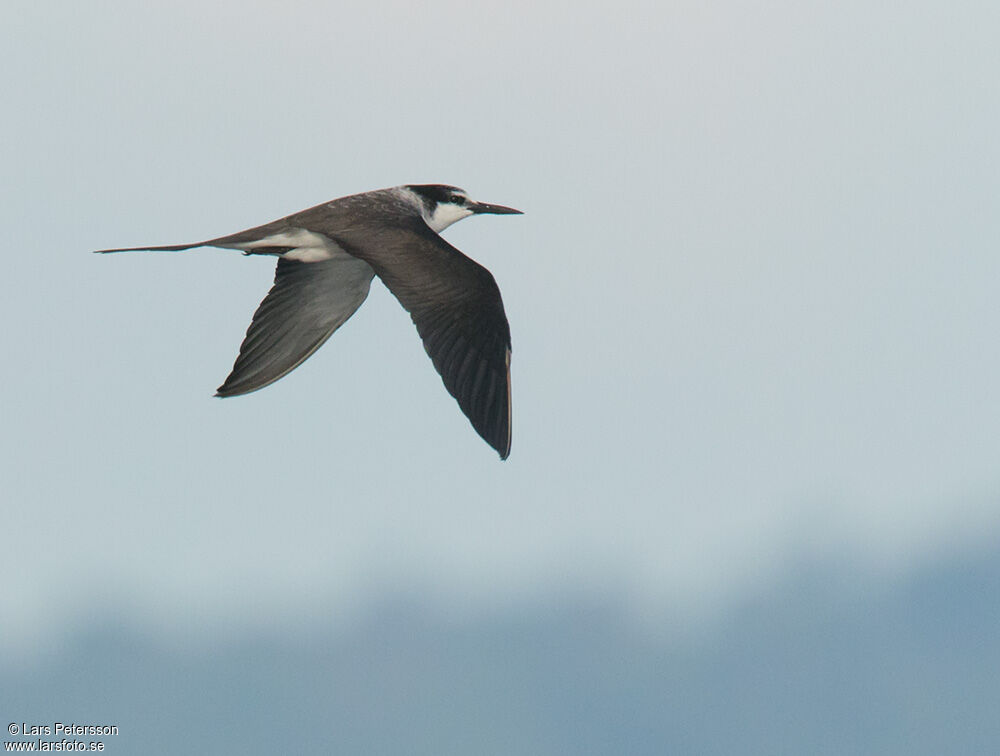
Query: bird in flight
{"type": "Point", "coordinates": [327, 257]}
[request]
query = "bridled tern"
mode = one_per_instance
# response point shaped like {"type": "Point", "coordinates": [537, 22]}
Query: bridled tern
{"type": "Point", "coordinates": [327, 256]}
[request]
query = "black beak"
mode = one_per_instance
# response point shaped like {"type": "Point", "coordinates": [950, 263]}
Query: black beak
{"type": "Point", "coordinates": [485, 207]}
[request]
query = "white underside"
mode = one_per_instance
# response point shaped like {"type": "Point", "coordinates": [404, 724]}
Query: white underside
{"type": "Point", "coordinates": [307, 246]}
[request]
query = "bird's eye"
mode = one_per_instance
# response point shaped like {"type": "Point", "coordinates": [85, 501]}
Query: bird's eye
{"type": "Point", "coordinates": [457, 199]}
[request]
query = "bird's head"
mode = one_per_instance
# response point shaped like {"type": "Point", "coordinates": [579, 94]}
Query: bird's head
{"type": "Point", "coordinates": [441, 205]}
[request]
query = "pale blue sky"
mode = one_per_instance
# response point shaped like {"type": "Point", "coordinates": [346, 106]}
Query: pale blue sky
{"type": "Point", "coordinates": [752, 300]}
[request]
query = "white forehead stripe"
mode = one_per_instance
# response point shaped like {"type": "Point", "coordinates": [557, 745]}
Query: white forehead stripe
{"type": "Point", "coordinates": [444, 214]}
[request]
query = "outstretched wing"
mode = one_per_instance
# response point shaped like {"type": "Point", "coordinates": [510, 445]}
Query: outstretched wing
{"type": "Point", "coordinates": [456, 306]}
{"type": "Point", "coordinates": [308, 302]}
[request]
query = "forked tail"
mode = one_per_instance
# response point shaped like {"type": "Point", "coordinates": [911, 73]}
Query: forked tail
{"type": "Point", "coordinates": [167, 248]}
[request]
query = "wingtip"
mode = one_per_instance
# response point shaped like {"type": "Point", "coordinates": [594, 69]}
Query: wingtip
{"type": "Point", "coordinates": [226, 390]}
{"type": "Point", "coordinates": [503, 448]}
